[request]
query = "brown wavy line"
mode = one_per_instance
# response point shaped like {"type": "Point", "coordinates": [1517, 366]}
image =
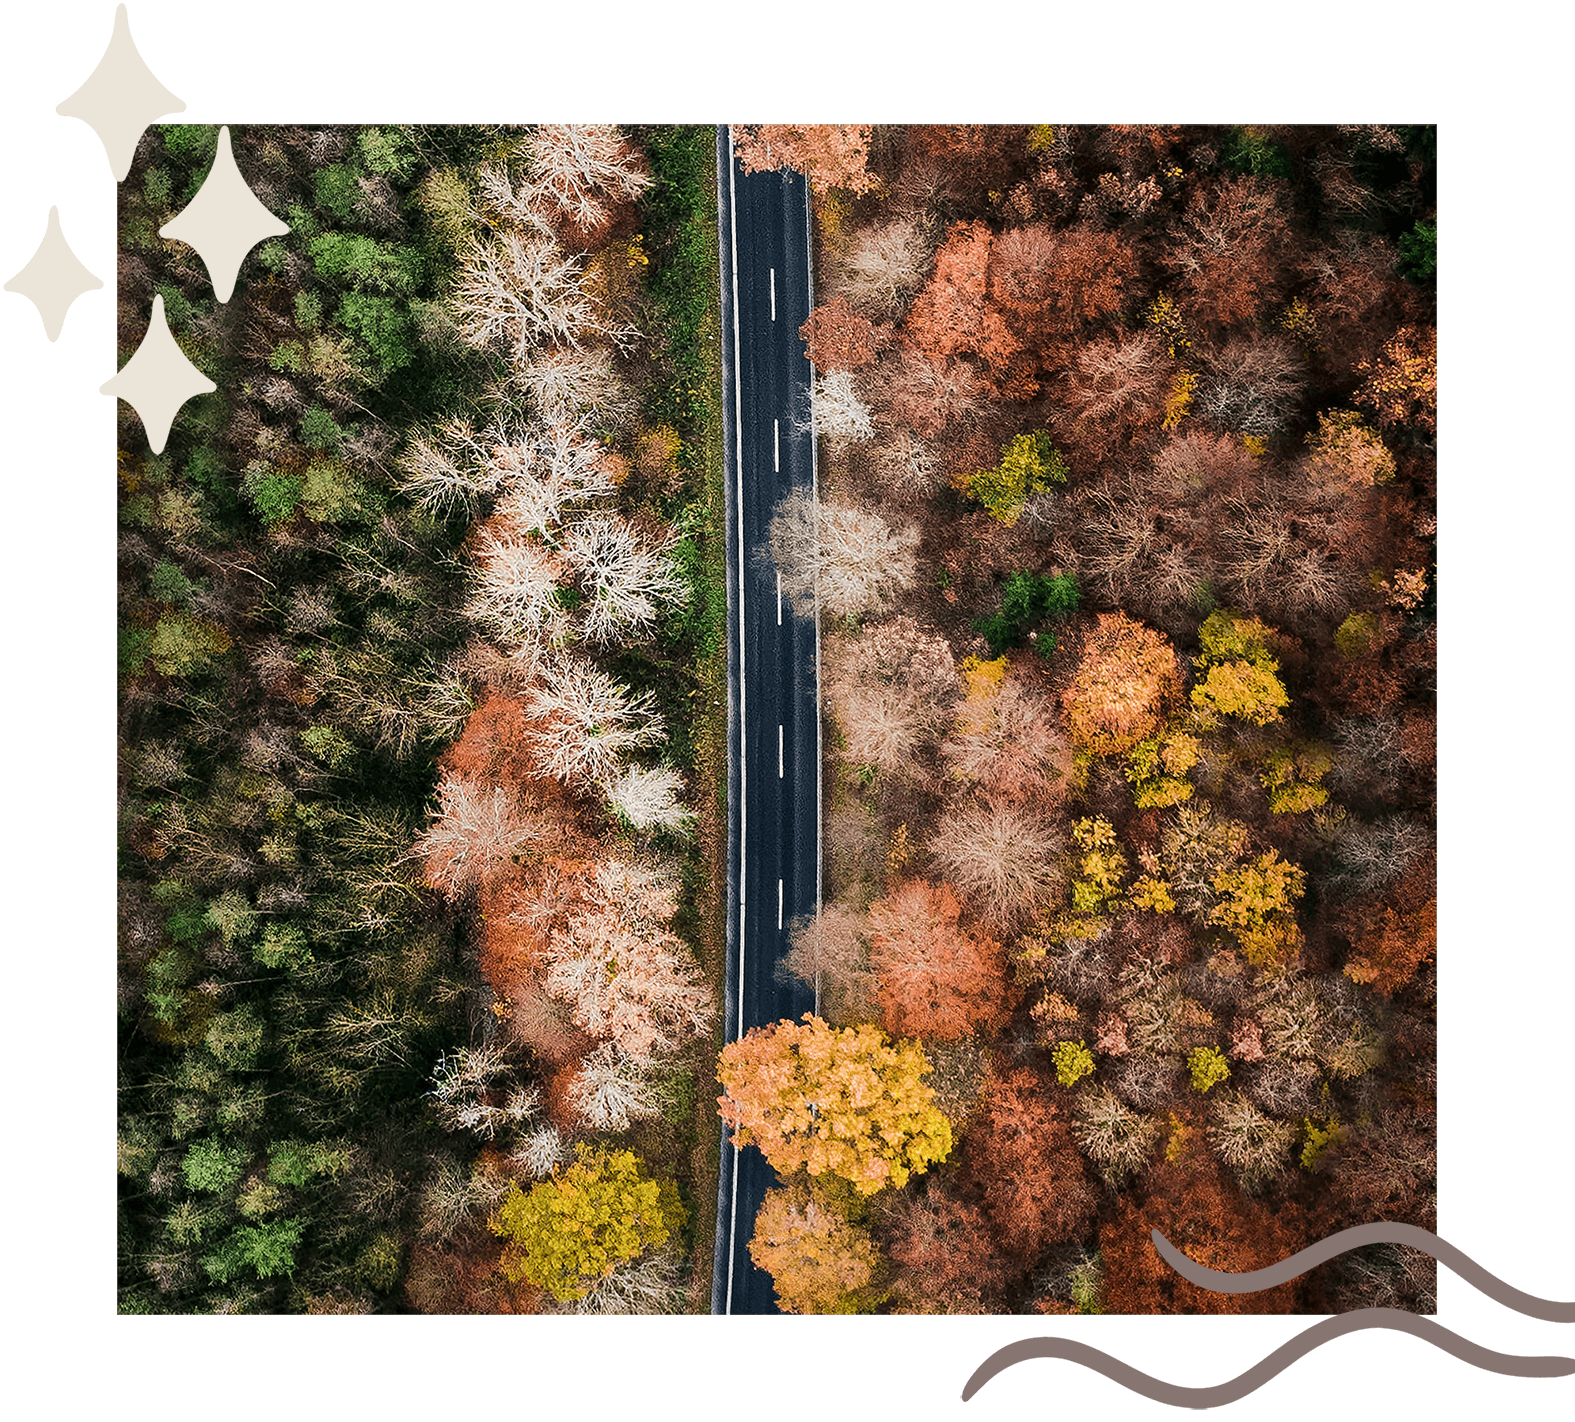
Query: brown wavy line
{"type": "Point", "coordinates": [1156, 1389]}
{"type": "Point", "coordinates": [1221, 1282]}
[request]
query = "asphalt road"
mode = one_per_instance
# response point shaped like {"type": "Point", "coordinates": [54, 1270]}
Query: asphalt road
{"type": "Point", "coordinates": [773, 690]}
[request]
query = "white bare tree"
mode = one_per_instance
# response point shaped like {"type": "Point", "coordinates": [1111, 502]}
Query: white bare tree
{"type": "Point", "coordinates": [610, 1091]}
{"type": "Point", "coordinates": [1112, 1135]}
{"type": "Point", "coordinates": [887, 265]}
{"type": "Point", "coordinates": [1002, 856]}
{"type": "Point", "coordinates": [558, 468]}
{"type": "Point", "coordinates": [517, 292]}
{"type": "Point", "coordinates": [839, 412]}
{"type": "Point", "coordinates": [648, 799]}
{"type": "Point", "coordinates": [621, 575]}
{"type": "Point", "coordinates": [515, 595]}
{"type": "Point", "coordinates": [474, 827]}
{"type": "Point", "coordinates": [576, 166]}
{"type": "Point", "coordinates": [576, 389]}
{"type": "Point", "coordinates": [647, 1284]}
{"type": "Point", "coordinates": [586, 721]}
{"type": "Point", "coordinates": [852, 560]}
{"type": "Point", "coordinates": [441, 469]}
{"type": "Point", "coordinates": [463, 1083]}
{"type": "Point", "coordinates": [540, 1152]}
{"type": "Point", "coordinates": [1252, 1143]}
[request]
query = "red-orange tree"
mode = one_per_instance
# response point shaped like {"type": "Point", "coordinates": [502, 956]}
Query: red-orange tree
{"type": "Point", "coordinates": [937, 979]}
{"type": "Point", "coordinates": [1208, 1219]}
{"type": "Point", "coordinates": [836, 337]}
{"type": "Point", "coordinates": [1020, 1151]}
{"type": "Point", "coordinates": [848, 1102]}
{"type": "Point", "coordinates": [952, 315]}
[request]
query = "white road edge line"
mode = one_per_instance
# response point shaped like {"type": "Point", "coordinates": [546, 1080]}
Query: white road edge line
{"type": "Point", "coordinates": [743, 760]}
{"type": "Point", "coordinates": [781, 751]}
{"type": "Point", "coordinates": [814, 488]}
{"type": "Point", "coordinates": [773, 293]}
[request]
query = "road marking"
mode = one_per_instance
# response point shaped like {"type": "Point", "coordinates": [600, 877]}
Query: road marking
{"type": "Point", "coordinates": [779, 903]}
{"type": "Point", "coordinates": [781, 751]}
{"type": "Point", "coordinates": [776, 444]}
{"type": "Point", "coordinates": [779, 598]}
{"type": "Point", "coordinates": [743, 803]}
{"type": "Point", "coordinates": [773, 293]}
{"type": "Point", "coordinates": [814, 486]}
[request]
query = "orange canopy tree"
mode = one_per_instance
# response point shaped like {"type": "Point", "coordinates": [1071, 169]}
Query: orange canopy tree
{"type": "Point", "coordinates": [846, 1102]}
{"type": "Point", "coordinates": [1126, 686]}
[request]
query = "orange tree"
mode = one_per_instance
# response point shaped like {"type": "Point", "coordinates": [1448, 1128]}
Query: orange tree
{"type": "Point", "coordinates": [847, 1102]}
{"type": "Point", "coordinates": [1125, 687]}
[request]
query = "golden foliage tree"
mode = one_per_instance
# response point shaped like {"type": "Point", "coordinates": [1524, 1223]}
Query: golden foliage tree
{"type": "Point", "coordinates": [819, 1261]}
{"type": "Point", "coordinates": [843, 1102]}
{"type": "Point", "coordinates": [577, 1227]}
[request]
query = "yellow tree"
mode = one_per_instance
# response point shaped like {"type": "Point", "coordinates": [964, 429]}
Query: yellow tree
{"type": "Point", "coordinates": [819, 1261]}
{"type": "Point", "coordinates": [569, 1231]}
{"type": "Point", "coordinates": [846, 1102]}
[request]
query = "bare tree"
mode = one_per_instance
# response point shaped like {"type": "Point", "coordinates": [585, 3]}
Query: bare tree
{"type": "Point", "coordinates": [1117, 1139]}
{"type": "Point", "coordinates": [552, 471]}
{"type": "Point", "coordinates": [1252, 385]}
{"type": "Point", "coordinates": [887, 265]}
{"type": "Point", "coordinates": [621, 574]}
{"type": "Point", "coordinates": [1002, 856]}
{"type": "Point", "coordinates": [573, 166]}
{"type": "Point", "coordinates": [627, 977]}
{"type": "Point", "coordinates": [648, 1284]}
{"type": "Point", "coordinates": [516, 591]}
{"type": "Point", "coordinates": [648, 799]}
{"type": "Point", "coordinates": [610, 1091]}
{"type": "Point", "coordinates": [444, 470]}
{"type": "Point", "coordinates": [516, 292]}
{"type": "Point", "coordinates": [576, 390]}
{"type": "Point", "coordinates": [464, 1083]}
{"type": "Point", "coordinates": [1114, 376]}
{"type": "Point", "coordinates": [586, 722]}
{"type": "Point", "coordinates": [828, 952]}
{"type": "Point", "coordinates": [1252, 1144]}
{"type": "Point", "coordinates": [839, 412]}
{"type": "Point", "coordinates": [850, 560]}
{"type": "Point", "coordinates": [905, 468]}
{"type": "Point", "coordinates": [474, 828]}
{"type": "Point", "coordinates": [540, 1152]}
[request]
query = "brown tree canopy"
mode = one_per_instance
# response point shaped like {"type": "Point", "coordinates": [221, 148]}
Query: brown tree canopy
{"type": "Point", "coordinates": [1228, 258]}
{"type": "Point", "coordinates": [952, 315]}
{"type": "Point", "coordinates": [1051, 284]}
{"type": "Point", "coordinates": [950, 1261]}
{"type": "Point", "coordinates": [830, 155]}
{"type": "Point", "coordinates": [1201, 1212]}
{"type": "Point", "coordinates": [937, 978]}
{"type": "Point", "coordinates": [1020, 1153]}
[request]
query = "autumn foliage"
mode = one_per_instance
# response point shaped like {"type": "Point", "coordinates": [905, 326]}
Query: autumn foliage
{"type": "Point", "coordinates": [937, 978]}
{"type": "Point", "coordinates": [1021, 1152]}
{"type": "Point", "coordinates": [1126, 686]}
{"type": "Point", "coordinates": [846, 1102]}
{"type": "Point", "coordinates": [830, 155]}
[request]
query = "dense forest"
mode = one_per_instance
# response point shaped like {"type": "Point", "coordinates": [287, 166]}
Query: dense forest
{"type": "Point", "coordinates": [1125, 564]}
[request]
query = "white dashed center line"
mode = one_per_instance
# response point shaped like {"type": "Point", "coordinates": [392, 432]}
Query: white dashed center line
{"type": "Point", "coordinates": [779, 599]}
{"type": "Point", "coordinates": [776, 444]}
{"type": "Point", "coordinates": [773, 293]}
{"type": "Point", "coordinates": [779, 903]}
{"type": "Point", "coordinates": [781, 751]}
